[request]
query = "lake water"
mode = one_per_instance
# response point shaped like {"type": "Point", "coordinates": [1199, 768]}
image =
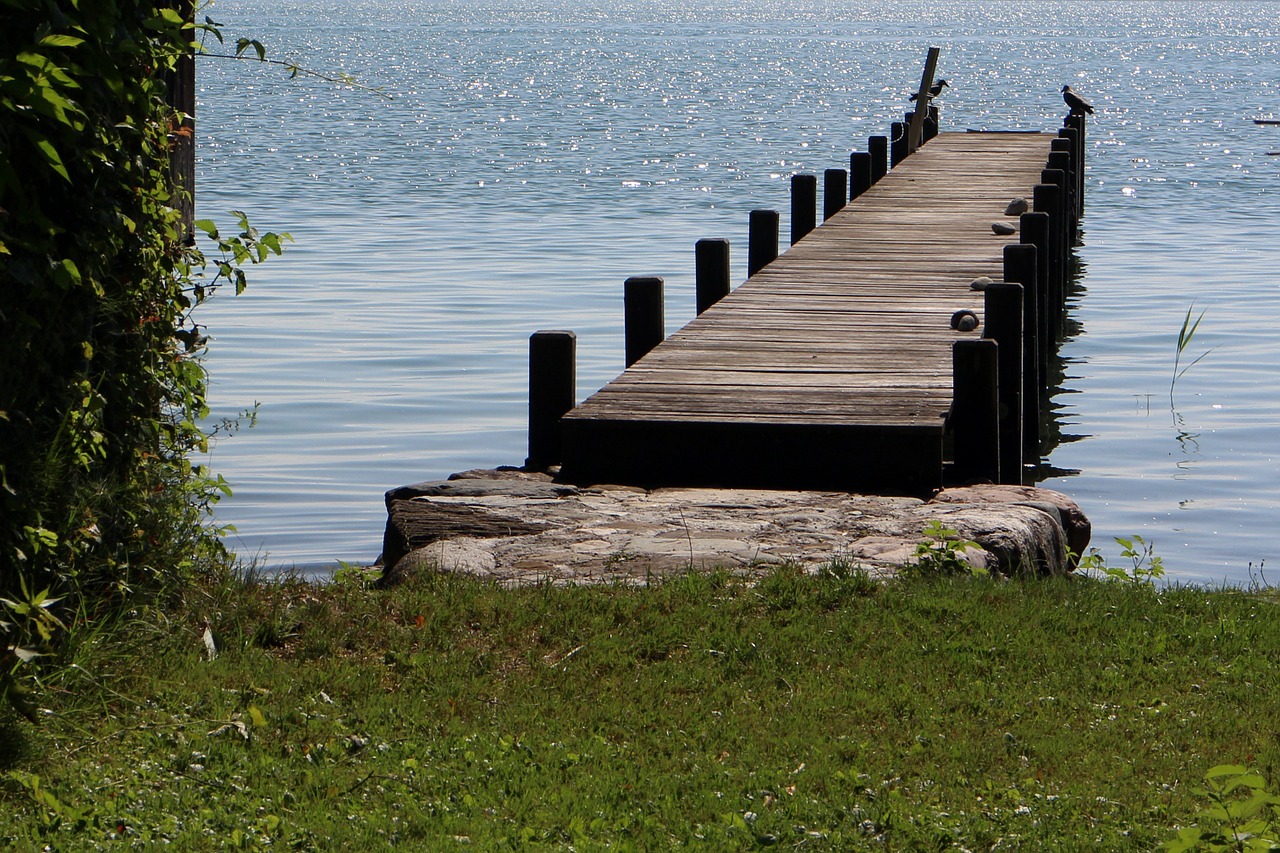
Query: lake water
{"type": "Point", "coordinates": [535, 153]}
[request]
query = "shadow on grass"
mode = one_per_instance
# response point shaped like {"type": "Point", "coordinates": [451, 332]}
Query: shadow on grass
{"type": "Point", "coordinates": [15, 740]}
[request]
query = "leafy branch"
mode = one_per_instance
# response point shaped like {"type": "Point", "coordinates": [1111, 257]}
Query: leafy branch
{"type": "Point", "coordinates": [294, 69]}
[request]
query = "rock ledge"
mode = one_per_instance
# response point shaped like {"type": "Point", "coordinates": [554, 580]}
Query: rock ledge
{"type": "Point", "coordinates": [521, 527]}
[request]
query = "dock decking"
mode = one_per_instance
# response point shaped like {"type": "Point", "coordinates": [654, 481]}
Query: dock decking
{"type": "Point", "coordinates": [831, 367]}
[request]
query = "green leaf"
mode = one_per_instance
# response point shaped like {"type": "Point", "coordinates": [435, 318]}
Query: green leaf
{"type": "Point", "coordinates": [60, 41]}
{"type": "Point", "coordinates": [51, 157]}
{"type": "Point", "coordinates": [208, 227]}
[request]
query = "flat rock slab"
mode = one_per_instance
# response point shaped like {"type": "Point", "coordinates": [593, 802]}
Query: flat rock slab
{"type": "Point", "coordinates": [521, 527]}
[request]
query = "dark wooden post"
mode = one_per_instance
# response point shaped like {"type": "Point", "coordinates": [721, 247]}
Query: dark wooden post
{"type": "Point", "coordinates": [835, 189]}
{"type": "Point", "coordinates": [1071, 135]}
{"type": "Point", "coordinates": [1078, 122]}
{"type": "Point", "coordinates": [552, 380]}
{"type": "Point", "coordinates": [898, 143]}
{"type": "Point", "coordinates": [931, 123]}
{"type": "Point", "coordinates": [1048, 199]}
{"type": "Point", "coordinates": [762, 241]}
{"type": "Point", "coordinates": [644, 320]}
{"type": "Point", "coordinates": [804, 205]}
{"type": "Point", "coordinates": [1060, 161]}
{"type": "Point", "coordinates": [182, 151]}
{"type": "Point", "coordinates": [711, 272]}
{"type": "Point", "coordinates": [1033, 228]}
{"type": "Point", "coordinates": [915, 121]}
{"type": "Point", "coordinates": [975, 411]}
{"type": "Point", "coordinates": [1003, 323]}
{"type": "Point", "coordinates": [859, 174]}
{"type": "Point", "coordinates": [1020, 266]}
{"type": "Point", "coordinates": [878, 148]}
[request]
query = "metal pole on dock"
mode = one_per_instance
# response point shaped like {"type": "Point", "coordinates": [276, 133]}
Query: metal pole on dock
{"type": "Point", "coordinates": [644, 320]}
{"type": "Point", "coordinates": [835, 189]}
{"type": "Point", "coordinates": [762, 241]}
{"type": "Point", "coordinates": [804, 205]}
{"type": "Point", "coordinates": [859, 174]}
{"type": "Point", "coordinates": [711, 272]}
{"type": "Point", "coordinates": [975, 411]}
{"type": "Point", "coordinates": [552, 381]}
{"type": "Point", "coordinates": [1003, 323]}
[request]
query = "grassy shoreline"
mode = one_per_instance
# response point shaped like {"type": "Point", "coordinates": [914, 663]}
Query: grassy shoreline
{"type": "Point", "coordinates": [827, 712]}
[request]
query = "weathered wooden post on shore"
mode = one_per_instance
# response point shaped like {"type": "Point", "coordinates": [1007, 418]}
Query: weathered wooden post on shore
{"type": "Point", "coordinates": [644, 316]}
{"type": "Point", "coordinates": [552, 381]}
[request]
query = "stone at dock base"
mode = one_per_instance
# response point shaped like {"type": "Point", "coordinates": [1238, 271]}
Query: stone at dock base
{"type": "Point", "coordinates": [520, 527]}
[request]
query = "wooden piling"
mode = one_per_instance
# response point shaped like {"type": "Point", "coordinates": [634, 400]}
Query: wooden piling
{"type": "Point", "coordinates": [1003, 324]}
{"type": "Point", "coordinates": [1071, 135]}
{"type": "Point", "coordinates": [878, 148]}
{"type": "Point", "coordinates": [762, 241]}
{"type": "Point", "coordinates": [1020, 266]}
{"type": "Point", "coordinates": [898, 143]}
{"type": "Point", "coordinates": [974, 420]}
{"type": "Point", "coordinates": [644, 316]}
{"type": "Point", "coordinates": [1078, 122]}
{"type": "Point", "coordinates": [931, 123]}
{"type": "Point", "coordinates": [1048, 199]}
{"type": "Point", "coordinates": [835, 183]}
{"type": "Point", "coordinates": [1033, 228]}
{"type": "Point", "coordinates": [552, 385]}
{"type": "Point", "coordinates": [804, 205]}
{"type": "Point", "coordinates": [859, 174]}
{"type": "Point", "coordinates": [711, 272]}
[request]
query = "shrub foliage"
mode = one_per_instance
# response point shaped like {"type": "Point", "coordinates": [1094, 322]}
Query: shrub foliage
{"type": "Point", "coordinates": [102, 390]}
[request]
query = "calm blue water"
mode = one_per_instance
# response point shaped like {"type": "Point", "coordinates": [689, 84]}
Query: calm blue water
{"type": "Point", "coordinates": [536, 153]}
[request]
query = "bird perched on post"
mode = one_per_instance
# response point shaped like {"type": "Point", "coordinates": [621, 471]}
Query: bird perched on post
{"type": "Point", "coordinates": [1079, 106]}
{"type": "Point", "coordinates": [934, 91]}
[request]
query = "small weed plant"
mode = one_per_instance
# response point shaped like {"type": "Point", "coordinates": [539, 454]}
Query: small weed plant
{"type": "Point", "coordinates": [941, 555]}
{"type": "Point", "coordinates": [1242, 814]}
{"type": "Point", "coordinates": [1145, 566]}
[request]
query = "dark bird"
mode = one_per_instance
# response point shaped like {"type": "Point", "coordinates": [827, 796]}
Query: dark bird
{"type": "Point", "coordinates": [934, 91]}
{"type": "Point", "coordinates": [1079, 106]}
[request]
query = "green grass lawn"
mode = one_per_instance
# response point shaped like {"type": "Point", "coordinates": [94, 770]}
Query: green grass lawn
{"type": "Point", "coordinates": [827, 713]}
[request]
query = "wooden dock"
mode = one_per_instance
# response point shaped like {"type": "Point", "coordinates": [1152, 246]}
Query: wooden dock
{"type": "Point", "coordinates": [832, 367]}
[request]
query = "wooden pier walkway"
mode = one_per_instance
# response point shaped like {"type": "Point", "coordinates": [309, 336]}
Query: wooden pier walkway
{"type": "Point", "coordinates": [832, 367]}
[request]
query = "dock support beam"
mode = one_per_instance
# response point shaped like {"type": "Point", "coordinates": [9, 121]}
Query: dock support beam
{"type": "Point", "coordinates": [762, 241]}
{"type": "Point", "coordinates": [552, 381]}
{"type": "Point", "coordinates": [711, 272]}
{"type": "Point", "coordinates": [644, 320]}
{"type": "Point", "coordinates": [804, 205]}
{"type": "Point", "coordinates": [1003, 324]}
{"type": "Point", "coordinates": [975, 411]}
